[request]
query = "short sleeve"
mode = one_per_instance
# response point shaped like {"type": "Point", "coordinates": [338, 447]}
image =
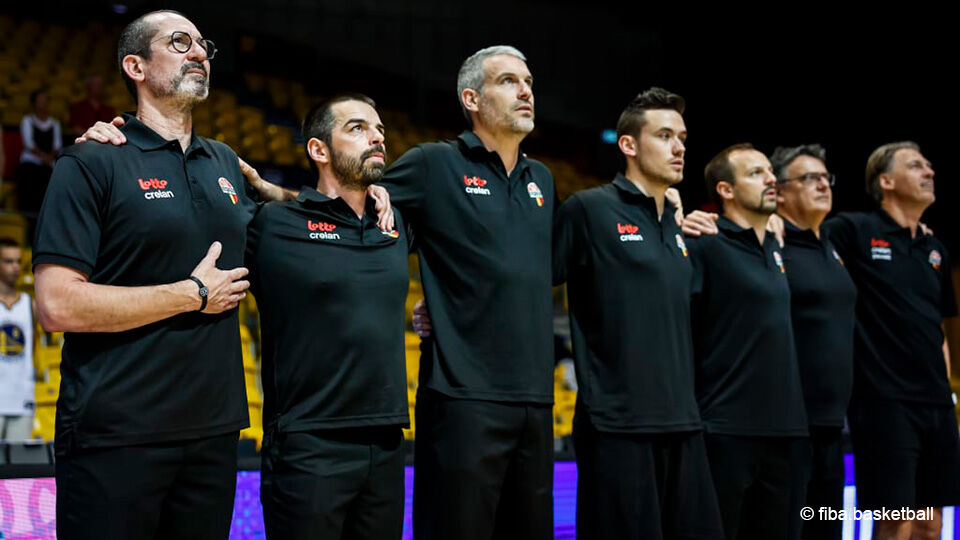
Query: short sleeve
{"type": "Point", "coordinates": [406, 180]}
{"type": "Point", "coordinates": [568, 244]}
{"type": "Point", "coordinates": [841, 232]}
{"type": "Point", "coordinates": [71, 219]}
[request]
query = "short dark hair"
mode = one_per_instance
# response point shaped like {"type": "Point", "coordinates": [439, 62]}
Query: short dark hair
{"type": "Point", "coordinates": [135, 39]}
{"type": "Point", "coordinates": [880, 161]}
{"type": "Point", "coordinates": [721, 170]}
{"type": "Point", "coordinates": [318, 124]}
{"type": "Point", "coordinates": [632, 119]}
{"type": "Point", "coordinates": [7, 242]}
{"type": "Point", "coordinates": [783, 156]}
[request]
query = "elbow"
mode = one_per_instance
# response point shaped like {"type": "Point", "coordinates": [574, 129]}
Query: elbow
{"type": "Point", "coordinates": [52, 315]}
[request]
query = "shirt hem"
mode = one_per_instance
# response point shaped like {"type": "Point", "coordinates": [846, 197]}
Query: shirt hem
{"type": "Point", "coordinates": [397, 420]}
{"type": "Point", "coordinates": [508, 397]}
{"type": "Point", "coordinates": [83, 442]}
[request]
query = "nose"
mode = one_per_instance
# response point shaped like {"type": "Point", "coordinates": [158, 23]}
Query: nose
{"type": "Point", "coordinates": [769, 179]}
{"type": "Point", "coordinates": [525, 91]}
{"type": "Point", "coordinates": [196, 52]}
{"type": "Point", "coordinates": [679, 148]}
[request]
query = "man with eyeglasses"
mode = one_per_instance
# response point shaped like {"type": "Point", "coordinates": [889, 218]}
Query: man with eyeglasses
{"type": "Point", "coordinates": [130, 245]}
{"type": "Point", "coordinates": [905, 438]}
{"type": "Point", "coordinates": [822, 301]}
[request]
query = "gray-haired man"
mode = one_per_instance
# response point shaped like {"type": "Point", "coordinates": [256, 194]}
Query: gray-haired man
{"type": "Point", "coordinates": [482, 214]}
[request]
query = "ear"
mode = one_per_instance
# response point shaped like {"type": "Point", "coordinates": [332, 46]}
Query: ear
{"type": "Point", "coordinates": [132, 65]}
{"type": "Point", "coordinates": [725, 190]}
{"type": "Point", "coordinates": [318, 151]}
{"type": "Point", "coordinates": [470, 99]}
{"type": "Point", "coordinates": [886, 182]}
{"type": "Point", "coordinates": [628, 145]}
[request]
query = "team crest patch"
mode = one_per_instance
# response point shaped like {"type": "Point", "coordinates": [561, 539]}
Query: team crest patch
{"type": "Point", "coordinates": [391, 234]}
{"type": "Point", "coordinates": [682, 245]}
{"type": "Point", "coordinates": [779, 260]}
{"type": "Point", "coordinates": [534, 190]}
{"type": "Point", "coordinates": [837, 256]}
{"type": "Point", "coordinates": [227, 187]}
{"type": "Point", "coordinates": [935, 259]}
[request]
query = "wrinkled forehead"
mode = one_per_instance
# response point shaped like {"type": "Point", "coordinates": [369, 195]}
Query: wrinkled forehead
{"type": "Point", "coordinates": [499, 64]}
{"type": "Point", "coordinates": [168, 23]}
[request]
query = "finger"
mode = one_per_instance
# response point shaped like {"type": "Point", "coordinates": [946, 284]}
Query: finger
{"type": "Point", "coordinates": [212, 254]}
{"type": "Point", "coordinates": [117, 121]}
{"type": "Point", "coordinates": [388, 219]}
{"type": "Point", "coordinates": [249, 172]}
{"type": "Point", "coordinates": [690, 231]}
{"type": "Point", "coordinates": [238, 287]}
{"type": "Point", "coordinates": [237, 273]}
{"type": "Point", "coordinates": [79, 140]}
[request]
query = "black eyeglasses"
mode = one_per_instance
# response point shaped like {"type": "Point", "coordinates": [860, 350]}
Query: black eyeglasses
{"type": "Point", "coordinates": [813, 177]}
{"type": "Point", "coordinates": [182, 42]}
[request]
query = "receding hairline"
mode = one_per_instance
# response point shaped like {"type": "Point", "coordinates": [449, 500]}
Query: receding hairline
{"type": "Point", "coordinates": [148, 18]}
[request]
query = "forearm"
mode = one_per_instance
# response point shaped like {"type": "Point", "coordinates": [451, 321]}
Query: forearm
{"type": "Point", "coordinates": [78, 306]}
{"type": "Point", "coordinates": [946, 351]}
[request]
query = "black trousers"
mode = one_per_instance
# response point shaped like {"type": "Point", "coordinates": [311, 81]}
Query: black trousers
{"type": "Point", "coordinates": [333, 484]}
{"type": "Point", "coordinates": [819, 484]}
{"type": "Point", "coordinates": [154, 491]}
{"type": "Point", "coordinates": [483, 470]}
{"type": "Point", "coordinates": [754, 479]}
{"type": "Point", "coordinates": [643, 486]}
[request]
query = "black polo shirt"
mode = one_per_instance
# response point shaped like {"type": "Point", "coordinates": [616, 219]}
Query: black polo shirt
{"type": "Point", "coordinates": [629, 276]}
{"type": "Point", "coordinates": [484, 244]}
{"type": "Point", "coordinates": [331, 290]}
{"type": "Point", "coordinates": [822, 304]}
{"type": "Point", "coordinates": [145, 213]}
{"type": "Point", "coordinates": [904, 293]}
{"type": "Point", "coordinates": [747, 378]}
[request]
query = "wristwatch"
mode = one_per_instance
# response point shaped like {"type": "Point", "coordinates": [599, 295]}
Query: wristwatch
{"type": "Point", "coordinates": [203, 292]}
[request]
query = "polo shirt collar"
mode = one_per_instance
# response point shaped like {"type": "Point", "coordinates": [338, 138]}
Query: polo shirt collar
{"type": "Point", "coordinates": [728, 227]}
{"type": "Point", "coordinates": [472, 143]}
{"type": "Point", "coordinates": [890, 225]}
{"type": "Point", "coordinates": [311, 198]}
{"type": "Point", "coordinates": [629, 191]}
{"type": "Point", "coordinates": [793, 233]}
{"type": "Point", "coordinates": [146, 139]}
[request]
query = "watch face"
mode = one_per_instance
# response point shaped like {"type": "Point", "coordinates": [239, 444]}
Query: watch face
{"type": "Point", "coordinates": [203, 292]}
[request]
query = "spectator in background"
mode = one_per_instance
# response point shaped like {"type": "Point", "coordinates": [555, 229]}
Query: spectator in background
{"type": "Point", "coordinates": [16, 348]}
{"type": "Point", "coordinates": [89, 111]}
{"type": "Point", "coordinates": [41, 142]}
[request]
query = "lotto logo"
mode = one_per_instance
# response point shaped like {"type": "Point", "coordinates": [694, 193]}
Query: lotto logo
{"type": "Point", "coordinates": [151, 183]}
{"type": "Point", "coordinates": [154, 188]}
{"type": "Point", "coordinates": [322, 231]}
{"type": "Point", "coordinates": [321, 226]}
{"type": "Point", "coordinates": [474, 181]}
{"type": "Point", "coordinates": [629, 233]}
{"type": "Point", "coordinates": [475, 185]}
{"type": "Point", "coordinates": [880, 250]}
